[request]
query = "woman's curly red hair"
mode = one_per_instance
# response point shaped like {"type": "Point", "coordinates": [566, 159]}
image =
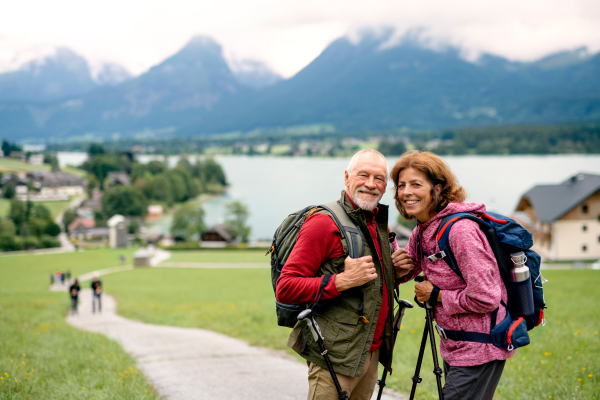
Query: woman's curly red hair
{"type": "Point", "coordinates": [438, 173]}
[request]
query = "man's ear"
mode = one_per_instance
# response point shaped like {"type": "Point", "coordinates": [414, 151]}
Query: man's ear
{"type": "Point", "coordinates": [346, 179]}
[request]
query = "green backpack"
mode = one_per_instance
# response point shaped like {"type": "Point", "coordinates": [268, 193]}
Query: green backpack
{"type": "Point", "coordinates": [284, 241]}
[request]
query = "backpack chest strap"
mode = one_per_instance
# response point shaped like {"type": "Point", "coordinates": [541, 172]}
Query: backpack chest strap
{"type": "Point", "coordinates": [436, 256]}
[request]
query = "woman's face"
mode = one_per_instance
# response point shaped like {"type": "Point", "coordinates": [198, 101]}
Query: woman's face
{"type": "Point", "coordinates": [414, 193]}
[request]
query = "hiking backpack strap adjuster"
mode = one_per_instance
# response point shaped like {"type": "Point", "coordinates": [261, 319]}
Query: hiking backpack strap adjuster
{"type": "Point", "coordinates": [436, 256]}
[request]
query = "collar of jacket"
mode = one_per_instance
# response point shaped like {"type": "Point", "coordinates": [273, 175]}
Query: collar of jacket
{"type": "Point", "coordinates": [381, 216]}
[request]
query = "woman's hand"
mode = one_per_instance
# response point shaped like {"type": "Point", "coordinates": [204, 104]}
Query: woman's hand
{"type": "Point", "coordinates": [403, 264]}
{"type": "Point", "coordinates": [423, 291]}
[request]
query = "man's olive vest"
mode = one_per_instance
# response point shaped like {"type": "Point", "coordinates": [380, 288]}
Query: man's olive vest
{"type": "Point", "coordinates": [348, 338]}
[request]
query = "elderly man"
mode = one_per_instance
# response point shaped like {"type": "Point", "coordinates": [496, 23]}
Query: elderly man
{"type": "Point", "coordinates": [356, 317]}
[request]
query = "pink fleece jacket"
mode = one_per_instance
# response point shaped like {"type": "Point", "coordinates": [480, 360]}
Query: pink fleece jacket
{"type": "Point", "coordinates": [466, 304]}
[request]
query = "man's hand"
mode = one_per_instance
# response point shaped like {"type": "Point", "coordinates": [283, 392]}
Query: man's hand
{"type": "Point", "coordinates": [357, 272]}
{"type": "Point", "coordinates": [403, 264]}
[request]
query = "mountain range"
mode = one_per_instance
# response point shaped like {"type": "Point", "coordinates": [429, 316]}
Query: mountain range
{"type": "Point", "coordinates": [367, 85]}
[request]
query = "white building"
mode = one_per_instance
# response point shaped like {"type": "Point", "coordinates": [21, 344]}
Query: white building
{"type": "Point", "coordinates": [57, 183]}
{"type": "Point", "coordinates": [36, 159]}
{"type": "Point", "coordinates": [565, 218]}
{"type": "Point", "coordinates": [117, 226]}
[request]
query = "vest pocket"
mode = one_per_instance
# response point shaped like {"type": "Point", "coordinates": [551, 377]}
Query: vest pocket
{"type": "Point", "coordinates": [339, 332]}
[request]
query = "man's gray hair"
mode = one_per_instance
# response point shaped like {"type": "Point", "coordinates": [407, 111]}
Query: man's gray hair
{"type": "Point", "coordinates": [354, 161]}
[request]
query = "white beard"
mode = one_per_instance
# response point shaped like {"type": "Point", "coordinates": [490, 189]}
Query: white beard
{"type": "Point", "coordinates": [367, 205]}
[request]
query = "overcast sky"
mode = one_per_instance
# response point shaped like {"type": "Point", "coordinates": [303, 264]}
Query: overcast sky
{"type": "Point", "coordinates": [285, 34]}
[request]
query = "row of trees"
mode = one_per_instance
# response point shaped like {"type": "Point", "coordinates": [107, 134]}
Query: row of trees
{"type": "Point", "coordinates": [188, 222]}
{"type": "Point", "coordinates": [28, 226]}
{"type": "Point", "coordinates": [154, 182]}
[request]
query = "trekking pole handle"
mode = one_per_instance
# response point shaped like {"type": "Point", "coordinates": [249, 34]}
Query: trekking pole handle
{"type": "Point", "coordinates": [424, 304]}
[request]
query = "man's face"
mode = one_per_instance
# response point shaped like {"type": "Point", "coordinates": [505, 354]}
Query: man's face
{"type": "Point", "coordinates": [367, 183]}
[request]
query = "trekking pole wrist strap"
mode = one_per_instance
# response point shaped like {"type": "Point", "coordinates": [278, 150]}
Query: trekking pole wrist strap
{"type": "Point", "coordinates": [433, 298]}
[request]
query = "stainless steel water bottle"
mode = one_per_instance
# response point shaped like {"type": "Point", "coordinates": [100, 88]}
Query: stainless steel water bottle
{"type": "Point", "coordinates": [520, 271]}
{"type": "Point", "coordinates": [520, 291]}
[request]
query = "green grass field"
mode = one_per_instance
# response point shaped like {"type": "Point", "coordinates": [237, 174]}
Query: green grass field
{"type": "Point", "coordinates": [55, 207]}
{"type": "Point", "coordinates": [41, 356]}
{"type": "Point", "coordinates": [561, 362]}
{"type": "Point", "coordinates": [213, 256]}
{"type": "Point", "coordinates": [8, 165]}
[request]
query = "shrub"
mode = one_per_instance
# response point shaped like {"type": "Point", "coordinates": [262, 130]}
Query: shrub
{"type": "Point", "coordinates": [11, 243]}
{"type": "Point", "coordinates": [30, 243]}
{"type": "Point", "coordinates": [47, 242]}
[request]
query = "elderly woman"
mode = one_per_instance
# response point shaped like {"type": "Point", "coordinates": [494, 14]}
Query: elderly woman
{"type": "Point", "coordinates": [427, 190]}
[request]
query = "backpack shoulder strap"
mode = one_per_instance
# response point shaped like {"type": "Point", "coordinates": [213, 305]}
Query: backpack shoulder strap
{"type": "Point", "coordinates": [443, 240]}
{"type": "Point", "coordinates": [351, 232]}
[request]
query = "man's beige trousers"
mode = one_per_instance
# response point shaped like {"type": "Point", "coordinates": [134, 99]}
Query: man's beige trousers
{"type": "Point", "coordinates": [321, 386]}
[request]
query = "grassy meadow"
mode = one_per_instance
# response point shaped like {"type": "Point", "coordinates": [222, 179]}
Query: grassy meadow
{"type": "Point", "coordinates": [561, 362]}
{"type": "Point", "coordinates": [41, 356]}
{"type": "Point", "coordinates": [217, 256]}
{"type": "Point", "coordinates": [55, 207]}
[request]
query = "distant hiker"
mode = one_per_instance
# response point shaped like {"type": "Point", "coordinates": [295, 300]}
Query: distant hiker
{"type": "Point", "coordinates": [51, 278]}
{"type": "Point", "coordinates": [74, 293]}
{"type": "Point", "coordinates": [357, 313]}
{"type": "Point", "coordinates": [97, 293]}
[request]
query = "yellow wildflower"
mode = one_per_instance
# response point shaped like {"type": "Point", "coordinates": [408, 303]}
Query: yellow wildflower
{"type": "Point", "coordinates": [579, 379]}
{"type": "Point", "coordinates": [22, 362]}
{"type": "Point", "coordinates": [84, 388]}
{"type": "Point", "coordinates": [547, 354]}
{"type": "Point", "coordinates": [519, 368]}
{"type": "Point", "coordinates": [16, 381]}
{"type": "Point", "coordinates": [24, 353]}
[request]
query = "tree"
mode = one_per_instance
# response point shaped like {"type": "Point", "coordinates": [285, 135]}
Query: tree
{"type": "Point", "coordinates": [96, 148]}
{"type": "Point", "coordinates": [7, 227]}
{"type": "Point", "coordinates": [52, 228]}
{"type": "Point", "coordinates": [19, 214]}
{"type": "Point", "coordinates": [388, 148]}
{"type": "Point", "coordinates": [237, 215]}
{"type": "Point", "coordinates": [41, 211]}
{"type": "Point", "coordinates": [36, 226]}
{"type": "Point", "coordinates": [213, 172]}
{"type": "Point", "coordinates": [9, 190]}
{"type": "Point", "coordinates": [188, 221]}
{"type": "Point", "coordinates": [5, 148]}
{"type": "Point", "coordinates": [124, 200]}
{"type": "Point", "coordinates": [68, 217]}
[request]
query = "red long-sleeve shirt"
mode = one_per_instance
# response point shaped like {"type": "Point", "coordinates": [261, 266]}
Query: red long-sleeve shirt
{"type": "Point", "coordinates": [319, 240]}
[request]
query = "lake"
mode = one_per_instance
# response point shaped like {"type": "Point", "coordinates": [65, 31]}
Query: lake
{"type": "Point", "coordinates": [273, 187]}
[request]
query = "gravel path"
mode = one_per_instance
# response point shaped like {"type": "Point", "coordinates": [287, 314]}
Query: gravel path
{"type": "Point", "coordinates": [184, 363]}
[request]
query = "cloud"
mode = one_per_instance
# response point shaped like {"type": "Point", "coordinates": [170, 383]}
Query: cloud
{"type": "Point", "coordinates": [289, 34]}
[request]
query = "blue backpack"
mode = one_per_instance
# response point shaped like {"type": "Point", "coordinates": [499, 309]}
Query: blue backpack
{"type": "Point", "coordinates": [505, 236]}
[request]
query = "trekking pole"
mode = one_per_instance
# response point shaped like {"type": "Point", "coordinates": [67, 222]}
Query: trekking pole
{"type": "Point", "coordinates": [402, 306]}
{"type": "Point", "coordinates": [427, 331]}
{"type": "Point", "coordinates": [318, 336]}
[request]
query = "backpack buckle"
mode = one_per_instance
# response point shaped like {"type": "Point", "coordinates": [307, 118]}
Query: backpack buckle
{"type": "Point", "coordinates": [441, 331]}
{"type": "Point", "coordinates": [436, 256]}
